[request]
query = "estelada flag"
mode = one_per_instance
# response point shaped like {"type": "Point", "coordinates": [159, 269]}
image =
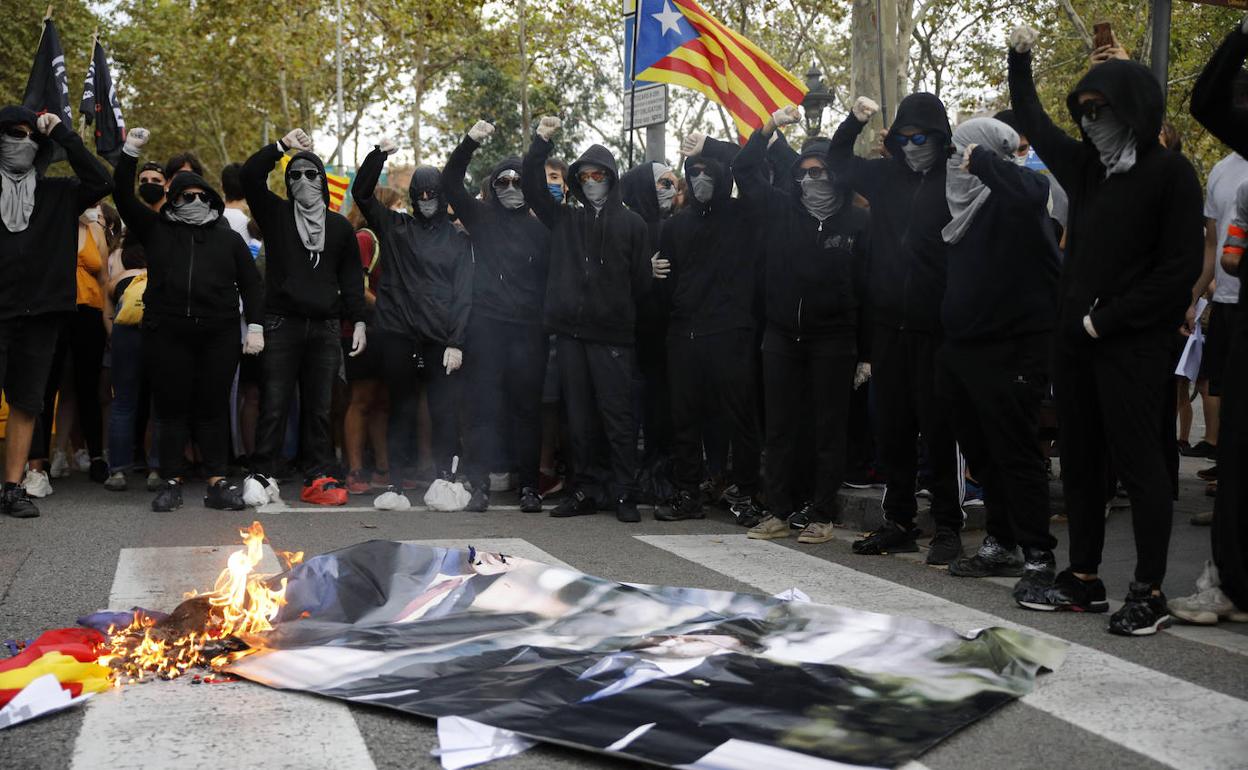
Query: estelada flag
{"type": "Point", "coordinates": [100, 107]}
{"type": "Point", "coordinates": [47, 88]}
{"type": "Point", "coordinates": [680, 43]}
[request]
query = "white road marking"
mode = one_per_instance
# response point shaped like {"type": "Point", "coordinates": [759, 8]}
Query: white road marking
{"type": "Point", "coordinates": [509, 546]}
{"type": "Point", "coordinates": [1141, 709]}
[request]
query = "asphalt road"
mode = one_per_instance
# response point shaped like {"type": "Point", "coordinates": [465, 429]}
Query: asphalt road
{"type": "Point", "coordinates": [1179, 699]}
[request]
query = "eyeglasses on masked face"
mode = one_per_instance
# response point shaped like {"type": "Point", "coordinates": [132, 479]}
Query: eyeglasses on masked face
{"type": "Point", "coordinates": [427, 195]}
{"type": "Point", "coordinates": [18, 132]}
{"type": "Point", "coordinates": [665, 183]}
{"type": "Point", "coordinates": [191, 197]}
{"type": "Point", "coordinates": [813, 172]}
{"type": "Point", "coordinates": [917, 139]}
{"type": "Point", "coordinates": [308, 174]}
{"type": "Point", "coordinates": [1094, 110]}
{"type": "Point", "coordinates": [503, 182]}
{"type": "Point", "coordinates": [595, 176]}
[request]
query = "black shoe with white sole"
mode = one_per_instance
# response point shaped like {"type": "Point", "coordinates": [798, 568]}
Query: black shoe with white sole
{"type": "Point", "coordinates": [223, 496]}
{"type": "Point", "coordinates": [14, 502]}
{"type": "Point", "coordinates": [169, 498]}
{"type": "Point", "coordinates": [1067, 593]}
{"type": "Point", "coordinates": [991, 560]}
{"type": "Point", "coordinates": [1038, 577]}
{"type": "Point", "coordinates": [1142, 614]}
{"type": "Point", "coordinates": [891, 537]}
{"type": "Point", "coordinates": [530, 501]}
{"type": "Point", "coordinates": [576, 504]}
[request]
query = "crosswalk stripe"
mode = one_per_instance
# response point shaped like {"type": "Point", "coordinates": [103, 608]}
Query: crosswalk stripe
{"type": "Point", "coordinates": [1143, 710]}
{"type": "Point", "coordinates": [183, 726]}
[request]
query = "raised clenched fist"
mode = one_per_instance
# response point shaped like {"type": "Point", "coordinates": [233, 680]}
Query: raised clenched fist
{"type": "Point", "coordinates": [786, 116]}
{"type": "Point", "coordinates": [548, 126]}
{"type": "Point", "coordinates": [297, 139]}
{"type": "Point", "coordinates": [864, 108]}
{"type": "Point", "coordinates": [691, 146]}
{"type": "Point", "coordinates": [1023, 38]}
{"type": "Point", "coordinates": [480, 131]}
{"type": "Point", "coordinates": [135, 139]}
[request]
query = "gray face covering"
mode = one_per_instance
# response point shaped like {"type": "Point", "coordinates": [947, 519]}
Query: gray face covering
{"type": "Point", "coordinates": [964, 191]}
{"type": "Point", "coordinates": [17, 182]}
{"type": "Point", "coordinates": [1114, 140]}
{"type": "Point", "coordinates": [196, 212]}
{"type": "Point", "coordinates": [921, 157]}
{"type": "Point", "coordinates": [666, 196]}
{"type": "Point", "coordinates": [428, 208]}
{"type": "Point", "coordinates": [309, 201]}
{"type": "Point", "coordinates": [820, 197]}
{"type": "Point", "coordinates": [596, 192]}
{"type": "Point", "coordinates": [703, 187]}
{"type": "Point", "coordinates": [511, 198]}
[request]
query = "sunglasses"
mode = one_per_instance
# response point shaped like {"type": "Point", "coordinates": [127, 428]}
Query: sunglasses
{"type": "Point", "coordinates": [306, 174]}
{"type": "Point", "coordinates": [1094, 110]}
{"type": "Point", "coordinates": [503, 182]}
{"type": "Point", "coordinates": [693, 173]}
{"type": "Point", "coordinates": [15, 132]}
{"type": "Point", "coordinates": [666, 184]}
{"type": "Point", "coordinates": [814, 172]}
{"type": "Point", "coordinates": [597, 176]}
{"type": "Point", "coordinates": [189, 197]}
{"type": "Point", "coordinates": [427, 195]}
{"type": "Point", "coordinates": [918, 139]}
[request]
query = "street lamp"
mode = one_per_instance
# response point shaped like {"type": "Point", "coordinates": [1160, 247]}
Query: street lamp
{"type": "Point", "coordinates": [817, 98]}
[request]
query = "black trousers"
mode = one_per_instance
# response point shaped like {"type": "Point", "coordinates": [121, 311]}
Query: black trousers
{"type": "Point", "coordinates": [400, 355]}
{"type": "Point", "coordinates": [504, 369]}
{"type": "Point", "coordinates": [1110, 397]}
{"type": "Point", "coordinates": [1230, 511]}
{"type": "Point", "coordinates": [82, 340]}
{"type": "Point", "coordinates": [710, 377]}
{"type": "Point", "coordinates": [191, 364]}
{"type": "Point", "coordinates": [819, 373]}
{"type": "Point", "coordinates": [306, 353]}
{"type": "Point", "coordinates": [596, 379]}
{"type": "Point", "coordinates": [903, 374]}
{"type": "Point", "coordinates": [656, 415]}
{"type": "Point", "coordinates": [993, 391]}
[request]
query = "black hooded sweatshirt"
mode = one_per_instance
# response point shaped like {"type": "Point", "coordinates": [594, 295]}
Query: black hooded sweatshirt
{"type": "Point", "coordinates": [427, 264]}
{"type": "Point", "coordinates": [637, 190]}
{"type": "Point", "coordinates": [908, 211]}
{"type": "Point", "coordinates": [38, 264]}
{"type": "Point", "coordinates": [193, 271]}
{"type": "Point", "coordinates": [815, 272]}
{"type": "Point", "coordinates": [298, 283]}
{"type": "Point", "coordinates": [599, 259]}
{"type": "Point", "coordinates": [713, 252]}
{"type": "Point", "coordinates": [1135, 240]}
{"type": "Point", "coordinates": [511, 248]}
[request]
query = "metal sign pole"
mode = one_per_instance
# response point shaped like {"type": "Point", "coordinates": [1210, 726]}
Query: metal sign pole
{"type": "Point", "coordinates": [1161, 44]}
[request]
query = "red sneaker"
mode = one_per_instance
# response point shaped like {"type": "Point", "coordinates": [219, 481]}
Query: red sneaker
{"type": "Point", "coordinates": [324, 491]}
{"type": "Point", "coordinates": [356, 483]}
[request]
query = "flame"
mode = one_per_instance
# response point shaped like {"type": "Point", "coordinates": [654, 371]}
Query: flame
{"type": "Point", "coordinates": [241, 602]}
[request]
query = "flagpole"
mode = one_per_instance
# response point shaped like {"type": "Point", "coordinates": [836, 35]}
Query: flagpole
{"type": "Point", "coordinates": [632, 82]}
{"type": "Point", "coordinates": [95, 39]}
{"type": "Point", "coordinates": [879, 48]}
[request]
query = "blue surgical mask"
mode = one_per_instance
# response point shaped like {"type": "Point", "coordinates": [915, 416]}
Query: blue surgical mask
{"type": "Point", "coordinates": [556, 191]}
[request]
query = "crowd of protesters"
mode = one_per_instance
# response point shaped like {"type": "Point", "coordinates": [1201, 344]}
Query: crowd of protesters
{"type": "Point", "coordinates": [719, 333]}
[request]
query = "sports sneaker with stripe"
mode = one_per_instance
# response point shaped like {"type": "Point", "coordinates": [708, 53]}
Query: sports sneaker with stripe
{"type": "Point", "coordinates": [1067, 593]}
{"type": "Point", "coordinates": [1144, 613]}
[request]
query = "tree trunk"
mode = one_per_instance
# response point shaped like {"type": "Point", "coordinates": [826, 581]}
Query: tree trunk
{"type": "Point", "coordinates": [526, 117]}
{"type": "Point", "coordinates": [865, 68]}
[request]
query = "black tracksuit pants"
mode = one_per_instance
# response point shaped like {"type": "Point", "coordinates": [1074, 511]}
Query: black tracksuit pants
{"type": "Point", "coordinates": [1110, 397]}
{"type": "Point", "coordinates": [710, 376]}
{"type": "Point", "coordinates": [400, 358]}
{"type": "Point", "coordinates": [304, 353]}
{"type": "Point", "coordinates": [993, 390]}
{"type": "Point", "coordinates": [820, 373]}
{"type": "Point", "coordinates": [657, 421]}
{"type": "Point", "coordinates": [504, 369]}
{"type": "Point", "coordinates": [82, 340]}
{"type": "Point", "coordinates": [1230, 510]}
{"type": "Point", "coordinates": [596, 379]}
{"type": "Point", "coordinates": [903, 375]}
{"type": "Point", "coordinates": [191, 365]}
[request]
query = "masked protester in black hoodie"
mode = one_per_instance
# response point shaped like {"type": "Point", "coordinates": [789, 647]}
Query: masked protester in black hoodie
{"type": "Point", "coordinates": [708, 272]}
{"type": "Point", "coordinates": [505, 372]}
{"type": "Point", "coordinates": [1134, 250]}
{"type": "Point", "coordinates": [907, 281]}
{"type": "Point", "coordinates": [197, 270]}
{"type": "Point", "coordinates": [312, 277]}
{"type": "Point", "coordinates": [992, 372]}
{"type": "Point", "coordinates": [814, 284]}
{"type": "Point", "coordinates": [599, 269]}
{"type": "Point", "coordinates": [38, 259]}
{"type": "Point", "coordinates": [424, 301]}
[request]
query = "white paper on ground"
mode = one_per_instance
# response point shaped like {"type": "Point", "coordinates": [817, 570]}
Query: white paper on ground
{"type": "Point", "coordinates": [792, 595]}
{"type": "Point", "coordinates": [735, 754]}
{"type": "Point", "coordinates": [1189, 362]}
{"type": "Point", "coordinates": [42, 696]}
{"type": "Point", "coordinates": [464, 743]}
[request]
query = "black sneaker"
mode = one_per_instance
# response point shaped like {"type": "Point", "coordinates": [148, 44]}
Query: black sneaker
{"type": "Point", "coordinates": [98, 471]}
{"type": "Point", "coordinates": [732, 496]}
{"type": "Point", "coordinates": [800, 519]}
{"type": "Point", "coordinates": [626, 511]}
{"type": "Point", "coordinates": [681, 506]}
{"type": "Point", "coordinates": [1201, 449]}
{"type": "Point", "coordinates": [169, 498]}
{"type": "Point", "coordinates": [480, 500]}
{"type": "Point", "coordinates": [946, 546]}
{"type": "Point", "coordinates": [1037, 579]}
{"type": "Point", "coordinates": [15, 503]}
{"type": "Point", "coordinates": [1143, 613]}
{"type": "Point", "coordinates": [991, 560]}
{"type": "Point", "coordinates": [576, 504]}
{"type": "Point", "coordinates": [1069, 593]}
{"type": "Point", "coordinates": [222, 496]}
{"type": "Point", "coordinates": [748, 514]}
{"type": "Point", "coordinates": [530, 500]}
{"type": "Point", "coordinates": [889, 538]}
{"type": "Point", "coordinates": [1208, 474]}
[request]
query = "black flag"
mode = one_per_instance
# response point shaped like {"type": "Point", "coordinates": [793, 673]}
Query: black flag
{"type": "Point", "coordinates": [100, 107]}
{"type": "Point", "coordinates": [47, 90]}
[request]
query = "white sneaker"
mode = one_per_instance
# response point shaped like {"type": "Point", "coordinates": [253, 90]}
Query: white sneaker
{"type": "Point", "coordinates": [82, 461]}
{"type": "Point", "coordinates": [116, 482]}
{"type": "Point", "coordinates": [770, 528]}
{"type": "Point", "coordinates": [36, 484]}
{"type": "Point", "coordinates": [392, 500]}
{"type": "Point", "coordinates": [154, 481]}
{"type": "Point", "coordinates": [500, 482]}
{"type": "Point", "coordinates": [1208, 605]}
{"type": "Point", "coordinates": [60, 465]}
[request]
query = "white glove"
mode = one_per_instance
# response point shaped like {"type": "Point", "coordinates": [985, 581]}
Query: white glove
{"type": "Point", "coordinates": [691, 146]}
{"type": "Point", "coordinates": [298, 140]}
{"type": "Point", "coordinates": [46, 122]}
{"type": "Point", "coordinates": [1023, 38]}
{"type": "Point", "coordinates": [480, 131]}
{"type": "Point", "coordinates": [864, 108]}
{"type": "Point", "coordinates": [452, 359]}
{"type": "Point", "coordinates": [861, 374]}
{"type": "Point", "coordinates": [1089, 328]}
{"type": "Point", "coordinates": [660, 268]}
{"type": "Point", "coordinates": [255, 340]}
{"type": "Point", "coordinates": [135, 139]}
{"type": "Point", "coordinates": [359, 340]}
{"type": "Point", "coordinates": [966, 157]}
{"type": "Point", "coordinates": [388, 146]}
{"type": "Point", "coordinates": [786, 116]}
{"type": "Point", "coordinates": [547, 126]}
{"type": "Point", "coordinates": [1243, 27]}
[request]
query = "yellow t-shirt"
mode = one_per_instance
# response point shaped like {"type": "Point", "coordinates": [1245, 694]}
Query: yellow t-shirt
{"type": "Point", "coordinates": [89, 265]}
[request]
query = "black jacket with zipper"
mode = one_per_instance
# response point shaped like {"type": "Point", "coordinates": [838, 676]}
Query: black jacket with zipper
{"type": "Point", "coordinates": [599, 259]}
{"type": "Point", "coordinates": [193, 271]}
{"type": "Point", "coordinates": [425, 289]}
{"type": "Point", "coordinates": [908, 212]}
{"type": "Point", "coordinates": [511, 248]}
{"type": "Point", "coordinates": [298, 283]}
{"type": "Point", "coordinates": [637, 191]}
{"type": "Point", "coordinates": [815, 271]}
{"type": "Point", "coordinates": [1134, 240]}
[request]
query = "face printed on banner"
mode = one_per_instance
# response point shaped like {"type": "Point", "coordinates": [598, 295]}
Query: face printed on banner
{"type": "Point", "coordinates": [921, 149]}
{"type": "Point", "coordinates": [596, 183]}
{"type": "Point", "coordinates": [701, 184]}
{"type": "Point", "coordinates": [507, 190]}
